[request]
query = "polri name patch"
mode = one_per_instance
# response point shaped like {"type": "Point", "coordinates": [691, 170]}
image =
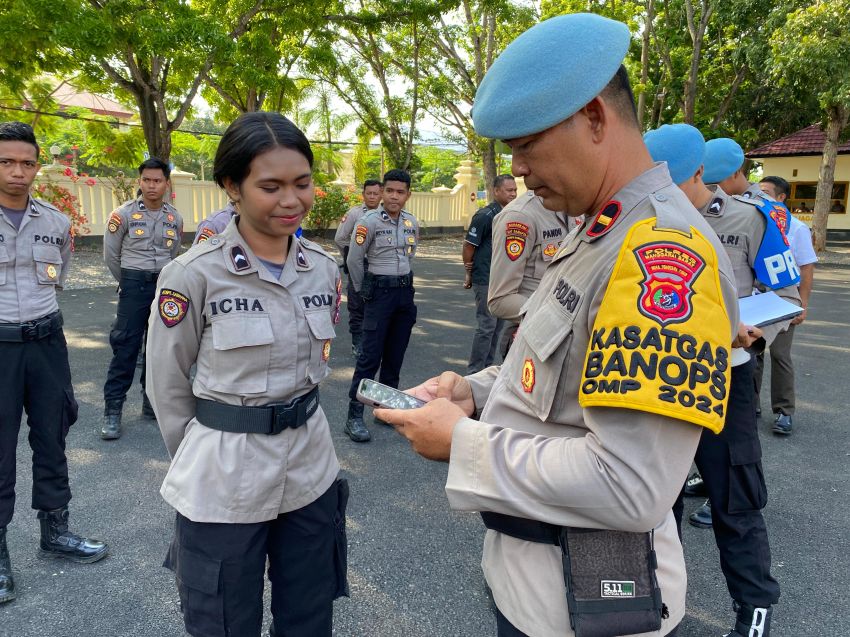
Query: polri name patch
{"type": "Point", "coordinates": [173, 306]}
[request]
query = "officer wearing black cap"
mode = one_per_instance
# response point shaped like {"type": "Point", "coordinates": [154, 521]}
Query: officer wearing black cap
{"type": "Point", "coordinates": [142, 236]}
{"type": "Point", "coordinates": [35, 256]}
{"type": "Point", "coordinates": [387, 239]}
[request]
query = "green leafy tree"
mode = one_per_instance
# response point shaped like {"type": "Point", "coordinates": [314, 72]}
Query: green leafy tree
{"type": "Point", "coordinates": [460, 48]}
{"type": "Point", "coordinates": [154, 54]}
{"type": "Point", "coordinates": [813, 51]}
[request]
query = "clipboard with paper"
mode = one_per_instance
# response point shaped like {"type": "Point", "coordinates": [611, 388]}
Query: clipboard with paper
{"type": "Point", "coordinates": [766, 309]}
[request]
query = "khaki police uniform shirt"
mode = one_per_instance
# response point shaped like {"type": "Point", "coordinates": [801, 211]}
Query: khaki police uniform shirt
{"type": "Point", "coordinates": [525, 238]}
{"type": "Point", "coordinates": [139, 239]}
{"type": "Point", "coordinates": [256, 340]}
{"type": "Point", "coordinates": [607, 468]}
{"type": "Point", "coordinates": [214, 224]}
{"type": "Point", "coordinates": [388, 244]}
{"type": "Point", "coordinates": [740, 226]}
{"type": "Point", "coordinates": [342, 238]}
{"type": "Point", "coordinates": [34, 262]}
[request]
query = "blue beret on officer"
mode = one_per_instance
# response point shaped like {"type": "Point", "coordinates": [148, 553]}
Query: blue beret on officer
{"type": "Point", "coordinates": [681, 145]}
{"type": "Point", "coordinates": [723, 156]}
{"type": "Point", "coordinates": [549, 73]}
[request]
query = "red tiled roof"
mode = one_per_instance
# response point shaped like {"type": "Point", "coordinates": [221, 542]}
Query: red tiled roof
{"type": "Point", "coordinates": [806, 141]}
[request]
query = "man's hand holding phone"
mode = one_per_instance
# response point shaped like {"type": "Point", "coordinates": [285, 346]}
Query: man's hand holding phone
{"type": "Point", "coordinates": [429, 429]}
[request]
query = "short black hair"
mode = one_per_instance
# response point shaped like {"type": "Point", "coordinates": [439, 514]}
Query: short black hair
{"type": "Point", "coordinates": [18, 132]}
{"type": "Point", "coordinates": [782, 186]}
{"type": "Point", "coordinates": [250, 135]}
{"type": "Point", "coordinates": [397, 174]}
{"type": "Point", "coordinates": [498, 181]}
{"type": "Point", "coordinates": [154, 163]}
{"type": "Point", "coordinates": [371, 182]}
{"type": "Point", "coordinates": [618, 92]}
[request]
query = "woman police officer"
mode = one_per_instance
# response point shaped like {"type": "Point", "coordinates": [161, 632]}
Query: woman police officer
{"type": "Point", "coordinates": [253, 470]}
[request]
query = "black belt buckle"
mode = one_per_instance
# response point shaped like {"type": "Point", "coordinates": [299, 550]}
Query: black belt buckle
{"type": "Point", "coordinates": [37, 330]}
{"type": "Point", "coordinates": [282, 418]}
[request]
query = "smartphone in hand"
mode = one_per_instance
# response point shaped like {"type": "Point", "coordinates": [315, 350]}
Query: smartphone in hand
{"type": "Point", "coordinates": [375, 394]}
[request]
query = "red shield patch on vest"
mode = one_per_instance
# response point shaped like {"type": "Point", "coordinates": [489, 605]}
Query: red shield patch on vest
{"type": "Point", "coordinates": [173, 306]}
{"type": "Point", "coordinates": [780, 216]}
{"type": "Point", "coordinates": [669, 273]}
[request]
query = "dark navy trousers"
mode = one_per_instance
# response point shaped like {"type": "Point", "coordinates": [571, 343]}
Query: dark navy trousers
{"type": "Point", "coordinates": [35, 376]}
{"type": "Point", "coordinates": [730, 465]}
{"type": "Point", "coordinates": [388, 318]}
{"type": "Point", "coordinates": [135, 296]}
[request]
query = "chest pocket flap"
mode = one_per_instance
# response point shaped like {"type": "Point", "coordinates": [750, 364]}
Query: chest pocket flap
{"type": "Point", "coordinates": [537, 368]}
{"type": "Point", "coordinates": [4, 260]}
{"type": "Point", "coordinates": [546, 330]}
{"type": "Point", "coordinates": [242, 331]}
{"type": "Point", "coordinates": [321, 325]}
{"type": "Point", "coordinates": [48, 263]}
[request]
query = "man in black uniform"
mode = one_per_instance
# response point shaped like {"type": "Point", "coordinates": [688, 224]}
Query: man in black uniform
{"type": "Point", "coordinates": [388, 237]}
{"type": "Point", "coordinates": [142, 236]}
{"type": "Point", "coordinates": [477, 251]}
{"type": "Point", "coordinates": [35, 255]}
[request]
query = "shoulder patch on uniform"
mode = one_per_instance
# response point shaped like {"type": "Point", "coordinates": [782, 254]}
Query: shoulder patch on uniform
{"type": "Point", "coordinates": [173, 306]}
{"type": "Point", "coordinates": [114, 221]}
{"type": "Point", "coordinates": [516, 234]}
{"type": "Point", "coordinates": [604, 219]}
{"type": "Point", "coordinates": [660, 341]}
{"type": "Point", "coordinates": [205, 234]}
{"type": "Point", "coordinates": [669, 270]}
{"type": "Point", "coordinates": [360, 234]}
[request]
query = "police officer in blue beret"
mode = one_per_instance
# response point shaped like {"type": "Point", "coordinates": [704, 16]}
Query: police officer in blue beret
{"type": "Point", "coordinates": [576, 497]}
{"type": "Point", "coordinates": [724, 165]}
{"type": "Point", "coordinates": [730, 462]}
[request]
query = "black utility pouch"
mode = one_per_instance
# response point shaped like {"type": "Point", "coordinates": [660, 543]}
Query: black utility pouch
{"type": "Point", "coordinates": [611, 584]}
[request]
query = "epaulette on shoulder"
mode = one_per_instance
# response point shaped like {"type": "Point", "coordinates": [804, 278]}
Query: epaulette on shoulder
{"type": "Point", "coordinates": [756, 202]}
{"type": "Point", "coordinates": [314, 247]}
{"type": "Point", "coordinates": [521, 203]}
{"type": "Point", "coordinates": [47, 204]}
{"type": "Point", "coordinates": [199, 250]}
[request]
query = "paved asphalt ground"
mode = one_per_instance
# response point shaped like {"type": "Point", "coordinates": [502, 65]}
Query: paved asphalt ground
{"type": "Point", "coordinates": [414, 564]}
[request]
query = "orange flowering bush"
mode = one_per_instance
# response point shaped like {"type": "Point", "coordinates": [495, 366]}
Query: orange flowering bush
{"type": "Point", "coordinates": [65, 202]}
{"type": "Point", "coordinates": [330, 204]}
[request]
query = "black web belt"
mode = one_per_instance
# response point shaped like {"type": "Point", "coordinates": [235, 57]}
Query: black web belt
{"type": "Point", "coordinates": [386, 281]}
{"type": "Point", "coordinates": [268, 419]}
{"type": "Point", "coordinates": [139, 275]}
{"type": "Point", "coordinates": [523, 529]}
{"type": "Point", "coordinates": [31, 330]}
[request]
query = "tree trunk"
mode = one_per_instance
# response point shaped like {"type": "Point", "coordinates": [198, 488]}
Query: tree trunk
{"type": "Point", "coordinates": [644, 61]}
{"type": "Point", "coordinates": [488, 159]}
{"type": "Point", "coordinates": [157, 140]}
{"type": "Point", "coordinates": [838, 116]}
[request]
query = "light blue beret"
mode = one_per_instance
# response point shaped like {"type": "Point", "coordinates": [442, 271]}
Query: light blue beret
{"type": "Point", "coordinates": [723, 156]}
{"type": "Point", "coordinates": [681, 145]}
{"type": "Point", "coordinates": [548, 73]}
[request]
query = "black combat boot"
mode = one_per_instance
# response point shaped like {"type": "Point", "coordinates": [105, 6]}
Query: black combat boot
{"type": "Point", "coordinates": [147, 408]}
{"type": "Point", "coordinates": [695, 487]}
{"type": "Point", "coordinates": [7, 584]}
{"type": "Point", "coordinates": [58, 541]}
{"type": "Point", "coordinates": [751, 621]}
{"type": "Point", "coordinates": [354, 425]}
{"type": "Point", "coordinates": [111, 429]}
{"type": "Point", "coordinates": [701, 518]}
